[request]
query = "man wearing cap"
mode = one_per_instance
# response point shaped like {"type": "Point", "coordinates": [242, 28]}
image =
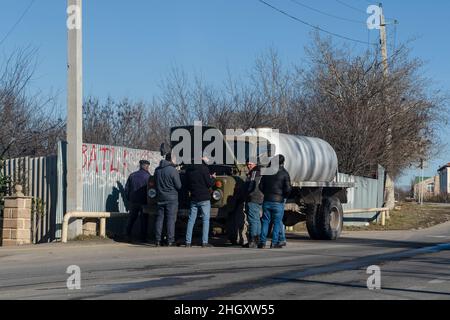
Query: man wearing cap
{"type": "Point", "coordinates": [136, 196]}
{"type": "Point", "coordinates": [253, 202]}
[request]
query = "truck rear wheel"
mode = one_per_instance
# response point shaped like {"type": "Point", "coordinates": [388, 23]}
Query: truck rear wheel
{"type": "Point", "coordinates": [312, 221]}
{"type": "Point", "coordinates": [326, 222]}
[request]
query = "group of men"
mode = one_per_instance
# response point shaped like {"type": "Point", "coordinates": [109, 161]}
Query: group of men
{"type": "Point", "coordinates": [264, 197]}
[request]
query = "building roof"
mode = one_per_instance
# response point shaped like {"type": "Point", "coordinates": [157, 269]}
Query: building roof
{"type": "Point", "coordinates": [444, 167]}
{"type": "Point", "coordinates": [419, 179]}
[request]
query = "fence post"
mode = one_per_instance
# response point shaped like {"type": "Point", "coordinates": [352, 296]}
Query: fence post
{"type": "Point", "coordinates": [16, 223]}
{"type": "Point", "coordinates": [103, 227]}
{"type": "Point", "coordinates": [383, 218]}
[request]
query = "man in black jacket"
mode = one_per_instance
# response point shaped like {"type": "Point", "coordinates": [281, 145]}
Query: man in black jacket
{"type": "Point", "coordinates": [276, 189]}
{"type": "Point", "coordinates": [199, 182]}
{"type": "Point", "coordinates": [167, 180]}
{"type": "Point", "coordinates": [136, 196]}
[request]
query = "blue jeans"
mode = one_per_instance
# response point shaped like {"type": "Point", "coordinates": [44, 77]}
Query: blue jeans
{"type": "Point", "coordinates": [283, 233]}
{"type": "Point", "coordinates": [283, 229]}
{"type": "Point", "coordinates": [254, 219]}
{"type": "Point", "coordinates": [272, 212]}
{"type": "Point", "coordinates": [205, 207]}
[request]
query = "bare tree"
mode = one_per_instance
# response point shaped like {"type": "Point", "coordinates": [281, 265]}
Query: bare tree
{"type": "Point", "coordinates": [29, 124]}
{"type": "Point", "coordinates": [347, 100]}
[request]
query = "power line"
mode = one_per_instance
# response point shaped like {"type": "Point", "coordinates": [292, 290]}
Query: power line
{"type": "Point", "coordinates": [351, 7]}
{"type": "Point", "coordinates": [312, 26]}
{"type": "Point", "coordinates": [17, 22]}
{"type": "Point", "coordinates": [327, 14]}
{"type": "Point", "coordinates": [359, 10]}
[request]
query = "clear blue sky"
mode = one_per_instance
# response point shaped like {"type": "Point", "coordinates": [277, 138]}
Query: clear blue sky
{"type": "Point", "coordinates": [129, 46]}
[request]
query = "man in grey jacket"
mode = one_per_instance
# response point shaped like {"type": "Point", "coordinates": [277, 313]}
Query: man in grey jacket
{"type": "Point", "coordinates": [168, 183]}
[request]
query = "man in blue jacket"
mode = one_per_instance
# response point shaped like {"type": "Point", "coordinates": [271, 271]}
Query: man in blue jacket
{"type": "Point", "coordinates": [168, 183]}
{"type": "Point", "coordinates": [136, 196]}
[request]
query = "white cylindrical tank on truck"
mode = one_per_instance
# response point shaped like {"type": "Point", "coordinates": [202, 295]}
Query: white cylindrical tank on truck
{"type": "Point", "coordinates": [307, 159]}
{"type": "Point", "coordinates": [312, 164]}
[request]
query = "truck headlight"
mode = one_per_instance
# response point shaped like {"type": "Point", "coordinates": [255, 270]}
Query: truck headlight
{"type": "Point", "coordinates": [151, 193]}
{"type": "Point", "coordinates": [217, 195]}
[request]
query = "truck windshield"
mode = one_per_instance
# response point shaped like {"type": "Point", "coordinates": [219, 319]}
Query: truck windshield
{"type": "Point", "coordinates": [244, 150]}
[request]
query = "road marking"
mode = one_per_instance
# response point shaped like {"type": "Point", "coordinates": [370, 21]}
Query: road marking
{"type": "Point", "coordinates": [436, 281]}
{"type": "Point", "coordinates": [439, 237]}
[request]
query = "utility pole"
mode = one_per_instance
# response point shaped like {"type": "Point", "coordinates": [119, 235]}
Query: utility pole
{"type": "Point", "coordinates": [422, 164]}
{"type": "Point", "coordinates": [383, 41]}
{"type": "Point", "coordinates": [74, 114]}
{"type": "Point", "coordinates": [389, 184]}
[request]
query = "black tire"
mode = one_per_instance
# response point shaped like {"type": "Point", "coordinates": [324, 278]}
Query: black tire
{"type": "Point", "coordinates": [331, 218]}
{"type": "Point", "coordinates": [327, 222]}
{"type": "Point", "coordinates": [312, 221]}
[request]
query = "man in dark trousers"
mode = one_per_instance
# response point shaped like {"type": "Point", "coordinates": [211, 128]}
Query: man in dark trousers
{"type": "Point", "coordinates": [276, 189]}
{"type": "Point", "coordinates": [136, 195]}
{"type": "Point", "coordinates": [253, 202]}
{"type": "Point", "coordinates": [199, 182]}
{"type": "Point", "coordinates": [168, 184]}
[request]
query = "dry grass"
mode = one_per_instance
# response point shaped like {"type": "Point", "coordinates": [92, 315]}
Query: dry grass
{"type": "Point", "coordinates": [412, 216]}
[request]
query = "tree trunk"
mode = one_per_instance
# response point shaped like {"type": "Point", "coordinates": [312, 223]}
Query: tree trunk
{"type": "Point", "coordinates": [389, 193]}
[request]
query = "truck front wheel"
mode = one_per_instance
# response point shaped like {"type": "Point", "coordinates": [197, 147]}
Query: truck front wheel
{"type": "Point", "coordinates": [326, 221]}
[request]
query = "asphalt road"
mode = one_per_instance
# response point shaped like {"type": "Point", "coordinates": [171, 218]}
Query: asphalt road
{"type": "Point", "coordinates": [413, 265]}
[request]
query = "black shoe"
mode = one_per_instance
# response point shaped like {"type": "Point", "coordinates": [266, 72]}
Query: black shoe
{"type": "Point", "coordinates": [157, 244]}
{"type": "Point", "coordinates": [171, 244]}
{"type": "Point", "coordinates": [283, 243]}
{"type": "Point", "coordinates": [261, 246]}
{"type": "Point", "coordinates": [206, 245]}
{"type": "Point", "coordinates": [252, 245]}
{"type": "Point", "coordinates": [188, 245]}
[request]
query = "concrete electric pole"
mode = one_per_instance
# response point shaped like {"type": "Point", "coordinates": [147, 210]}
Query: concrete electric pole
{"type": "Point", "coordinates": [74, 114]}
{"type": "Point", "coordinates": [389, 184]}
{"type": "Point", "coordinates": [383, 41]}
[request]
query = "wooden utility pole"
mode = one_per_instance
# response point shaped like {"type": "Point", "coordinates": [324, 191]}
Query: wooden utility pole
{"type": "Point", "coordinates": [74, 114]}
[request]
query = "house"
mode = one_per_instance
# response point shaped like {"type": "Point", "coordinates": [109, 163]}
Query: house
{"type": "Point", "coordinates": [444, 176]}
{"type": "Point", "coordinates": [430, 186]}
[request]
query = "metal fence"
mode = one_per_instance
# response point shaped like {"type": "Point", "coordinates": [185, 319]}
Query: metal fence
{"type": "Point", "coordinates": [38, 176]}
{"type": "Point", "coordinates": [105, 171]}
{"type": "Point", "coordinates": [367, 193]}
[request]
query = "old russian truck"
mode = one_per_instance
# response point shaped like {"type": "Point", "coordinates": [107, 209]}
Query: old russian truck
{"type": "Point", "coordinates": [312, 163]}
